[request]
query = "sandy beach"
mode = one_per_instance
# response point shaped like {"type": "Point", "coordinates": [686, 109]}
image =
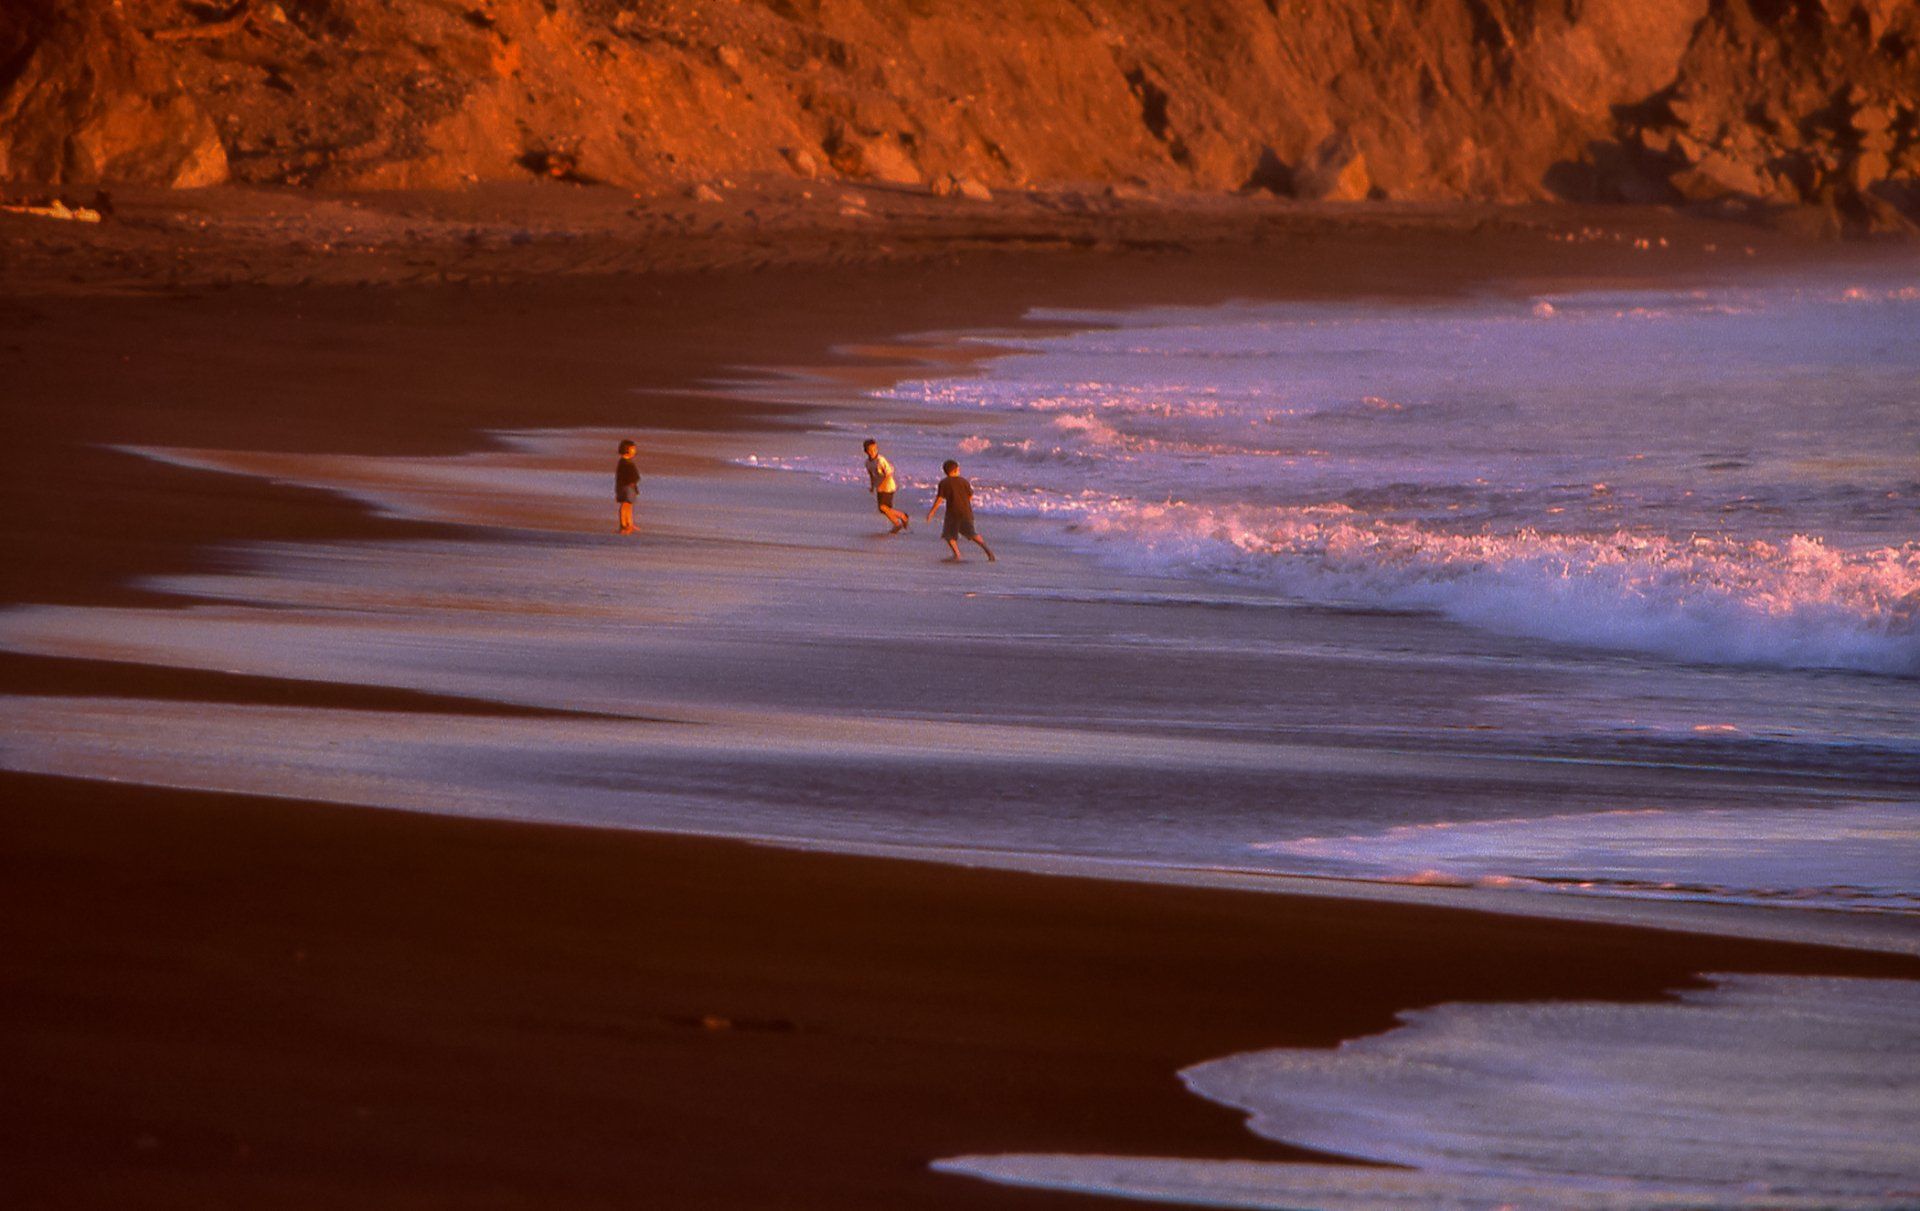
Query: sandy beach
{"type": "Point", "coordinates": [265, 999]}
{"type": "Point", "coordinates": [219, 1000]}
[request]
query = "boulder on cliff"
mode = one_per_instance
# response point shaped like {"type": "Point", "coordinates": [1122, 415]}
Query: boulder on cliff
{"type": "Point", "coordinates": [86, 98]}
{"type": "Point", "coordinates": [953, 186]}
{"type": "Point", "coordinates": [883, 159]}
{"type": "Point", "coordinates": [1334, 172]}
{"type": "Point", "coordinates": [1717, 176]}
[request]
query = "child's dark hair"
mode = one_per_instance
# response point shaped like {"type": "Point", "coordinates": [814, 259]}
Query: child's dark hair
{"type": "Point", "coordinates": [949, 466]}
{"type": "Point", "coordinates": [627, 445]}
{"type": "Point", "coordinates": [868, 444]}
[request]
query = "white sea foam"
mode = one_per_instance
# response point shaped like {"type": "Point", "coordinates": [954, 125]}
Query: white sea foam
{"type": "Point", "coordinates": [1858, 856]}
{"type": "Point", "coordinates": [1759, 1092]}
{"type": "Point", "coordinates": [1794, 604]}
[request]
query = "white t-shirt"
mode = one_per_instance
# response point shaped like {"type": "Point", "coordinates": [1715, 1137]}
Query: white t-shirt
{"type": "Point", "coordinates": [880, 474]}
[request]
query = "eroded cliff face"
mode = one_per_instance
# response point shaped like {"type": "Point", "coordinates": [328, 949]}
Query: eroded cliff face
{"type": "Point", "coordinates": [1810, 104]}
{"type": "Point", "coordinates": [1761, 101]}
{"type": "Point", "coordinates": [83, 98]}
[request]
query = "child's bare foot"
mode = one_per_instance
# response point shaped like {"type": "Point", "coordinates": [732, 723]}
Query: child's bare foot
{"type": "Point", "coordinates": [990, 558]}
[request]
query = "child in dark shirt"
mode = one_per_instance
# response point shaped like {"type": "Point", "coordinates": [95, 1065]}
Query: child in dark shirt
{"type": "Point", "coordinates": [626, 486]}
{"type": "Point", "coordinates": [957, 494]}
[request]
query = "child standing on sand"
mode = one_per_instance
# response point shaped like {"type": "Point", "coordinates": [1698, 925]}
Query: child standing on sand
{"type": "Point", "coordinates": [880, 482]}
{"type": "Point", "coordinates": [957, 494]}
{"type": "Point", "coordinates": [626, 486]}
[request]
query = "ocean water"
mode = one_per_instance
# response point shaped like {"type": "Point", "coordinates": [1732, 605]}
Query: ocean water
{"type": "Point", "coordinates": [1725, 476]}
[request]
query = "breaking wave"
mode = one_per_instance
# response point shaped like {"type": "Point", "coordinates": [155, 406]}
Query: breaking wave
{"type": "Point", "coordinates": [1798, 603]}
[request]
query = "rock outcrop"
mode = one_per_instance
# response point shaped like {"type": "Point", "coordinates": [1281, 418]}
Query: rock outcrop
{"type": "Point", "coordinates": [84, 97]}
{"type": "Point", "coordinates": [1813, 104]}
{"type": "Point", "coordinates": [1335, 171]}
{"type": "Point", "coordinates": [1761, 102]}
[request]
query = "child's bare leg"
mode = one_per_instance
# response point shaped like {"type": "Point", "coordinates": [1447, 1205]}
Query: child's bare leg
{"type": "Point", "coordinates": [955, 548]}
{"type": "Point", "coordinates": [985, 547]}
{"type": "Point", "coordinates": [626, 518]}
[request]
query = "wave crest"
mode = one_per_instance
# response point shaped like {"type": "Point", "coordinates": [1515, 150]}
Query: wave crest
{"type": "Point", "coordinates": [1798, 603]}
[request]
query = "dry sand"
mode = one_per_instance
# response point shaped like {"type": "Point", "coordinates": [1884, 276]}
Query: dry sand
{"type": "Point", "coordinates": [213, 1000]}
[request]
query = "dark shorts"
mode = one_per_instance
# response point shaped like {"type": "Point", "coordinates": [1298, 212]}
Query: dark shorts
{"type": "Point", "coordinates": [626, 496]}
{"type": "Point", "coordinates": [885, 499]}
{"type": "Point", "coordinates": [958, 527]}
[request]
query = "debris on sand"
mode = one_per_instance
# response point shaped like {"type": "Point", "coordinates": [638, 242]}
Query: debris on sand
{"type": "Point", "coordinates": [54, 208]}
{"type": "Point", "coordinates": [955, 186]}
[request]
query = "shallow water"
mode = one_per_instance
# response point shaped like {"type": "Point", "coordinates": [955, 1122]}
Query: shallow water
{"type": "Point", "coordinates": [1704, 504]}
{"type": "Point", "coordinates": [761, 663]}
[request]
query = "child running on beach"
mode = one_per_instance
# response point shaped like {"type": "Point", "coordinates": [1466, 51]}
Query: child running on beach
{"type": "Point", "coordinates": [880, 482]}
{"type": "Point", "coordinates": [957, 494]}
{"type": "Point", "coordinates": [626, 486]}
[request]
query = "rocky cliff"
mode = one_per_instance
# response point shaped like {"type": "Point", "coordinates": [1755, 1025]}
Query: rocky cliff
{"type": "Point", "coordinates": [1808, 106]}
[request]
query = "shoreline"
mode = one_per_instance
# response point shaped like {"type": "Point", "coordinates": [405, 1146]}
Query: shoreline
{"type": "Point", "coordinates": [308, 1003]}
{"type": "Point", "coordinates": [44, 676]}
{"type": "Point", "coordinates": [232, 237]}
{"type": "Point", "coordinates": [392, 493]}
{"type": "Point", "coordinates": [228, 997]}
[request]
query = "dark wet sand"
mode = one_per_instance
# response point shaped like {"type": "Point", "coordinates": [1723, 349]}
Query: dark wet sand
{"type": "Point", "coordinates": [226, 1001]}
{"type": "Point", "coordinates": [212, 1001]}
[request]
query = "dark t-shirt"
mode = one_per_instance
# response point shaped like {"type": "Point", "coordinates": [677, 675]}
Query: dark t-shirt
{"type": "Point", "coordinates": [626, 479]}
{"type": "Point", "coordinates": [958, 494]}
